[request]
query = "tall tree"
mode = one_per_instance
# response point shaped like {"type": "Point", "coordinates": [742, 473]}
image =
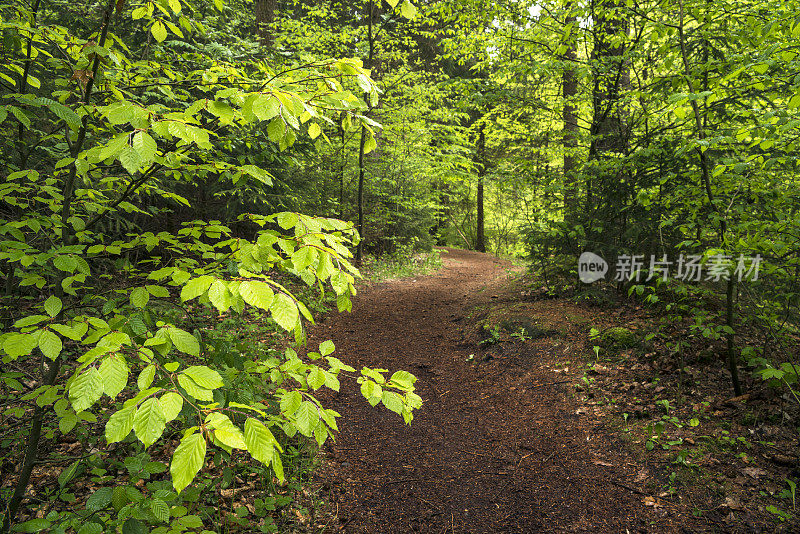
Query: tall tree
{"type": "Point", "coordinates": [569, 92]}
{"type": "Point", "coordinates": [362, 148]}
{"type": "Point", "coordinates": [265, 17]}
{"type": "Point", "coordinates": [480, 163]}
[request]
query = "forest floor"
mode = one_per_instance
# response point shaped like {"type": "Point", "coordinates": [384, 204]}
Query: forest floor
{"type": "Point", "coordinates": [499, 445]}
{"type": "Point", "coordinates": [510, 439]}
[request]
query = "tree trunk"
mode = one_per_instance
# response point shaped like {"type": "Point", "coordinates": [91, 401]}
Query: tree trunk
{"type": "Point", "coordinates": [265, 16]}
{"type": "Point", "coordinates": [368, 65]}
{"type": "Point", "coordinates": [610, 77]}
{"type": "Point", "coordinates": [360, 246]}
{"type": "Point", "coordinates": [569, 86]}
{"type": "Point", "coordinates": [480, 157]}
{"type": "Point", "coordinates": [608, 188]}
{"type": "Point", "coordinates": [342, 171]}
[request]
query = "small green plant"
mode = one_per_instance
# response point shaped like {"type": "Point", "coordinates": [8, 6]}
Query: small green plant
{"type": "Point", "coordinates": [654, 433]}
{"type": "Point", "coordinates": [790, 492]}
{"type": "Point", "coordinates": [594, 335]}
{"type": "Point", "coordinates": [780, 515]}
{"type": "Point", "coordinates": [520, 334]}
{"type": "Point", "coordinates": [494, 337]}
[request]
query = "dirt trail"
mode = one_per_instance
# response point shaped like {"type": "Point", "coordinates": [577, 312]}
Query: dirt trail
{"type": "Point", "coordinates": [497, 446]}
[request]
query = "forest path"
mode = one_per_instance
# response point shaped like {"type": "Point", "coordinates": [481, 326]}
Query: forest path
{"type": "Point", "coordinates": [496, 447]}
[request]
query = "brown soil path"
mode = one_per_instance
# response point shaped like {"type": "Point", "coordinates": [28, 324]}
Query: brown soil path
{"type": "Point", "coordinates": [497, 446]}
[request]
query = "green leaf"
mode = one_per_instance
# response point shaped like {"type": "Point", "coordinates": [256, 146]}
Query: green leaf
{"type": "Point", "coordinates": [290, 402]}
{"type": "Point", "coordinates": [52, 306]}
{"type": "Point", "coordinates": [287, 219]}
{"type": "Point", "coordinates": [32, 525]}
{"type": "Point", "coordinates": [187, 460]}
{"type": "Point", "coordinates": [403, 379]}
{"type": "Point", "coordinates": [91, 528]}
{"type": "Point", "coordinates": [327, 347]}
{"type": "Point", "coordinates": [314, 130]}
{"type": "Point", "coordinates": [149, 422]}
{"type": "Point", "coordinates": [284, 311]}
{"type": "Point", "coordinates": [63, 112]}
{"type": "Point", "coordinates": [221, 110]}
{"type": "Point", "coordinates": [219, 296]}
{"type": "Point", "coordinates": [184, 341]}
{"type": "Point", "coordinates": [160, 509]}
{"type": "Point", "coordinates": [196, 287]}
{"type": "Point", "coordinates": [369, 143]}
{"type": "Point", "coordinates": [75, 333]}
{"type": "Point", "coordinates": [68, 474]}
{"type": "Point", "coordinates": [331, 381]}
{"type": "Point", "coordinates": [114, 371]}
{"type": "Point", "coordinates": [265, 107]}
{"type": "Point", "coordinates": [119, 112]}
{"type": "Point", "coordinates": [129, 159]}
{"type": "Point", "coordinates": [172, 403]}
{"type": "Point", "coordinates": [99, 499]}
{"type": "Point", "coordinates": [20, 116]}
{"type": "Point", "coordinates": [392, 401]}
{"type": "Point", "coordinates": [259, 440]}
{"type": "Point", "coordinates": [303, 257]}
{"type": "Point", "coordinates": [139, 297]}
{"type": "Point", "coordinates": [316, 378]}
{"type": "Point", "coordinates": [770, 373]}
{"type": "Point", "coordinates": [146, 147]}
{"type": "Point", "coordinates": [160, 292]}
{"type": "Point", "coordinates": [329, 416]}
{"type": "Point", "coordinates": [134, 526]}
{"type": "Point", "coordinates": [146, 377]}
{"type": "Point", "coordinates": [276, 129]}
{"type": "Point", "coordinates": [194, 390]}
{"type": "Point", "coordinates": [372, 392]}
{"type": "Point", "coordinates": [86, 389]}
{"type": "Point", "coordinates": [30, 320]}
{"type": "Point", "coordinates": [114, 147]}
{"type": "Point", "coordinates": [257, 294]}
{"type": "Point", "coordinates": [17, 345]}
{"type": "Point", "coordinates": [306, 418]}
{"type": "Point", "coordinates": [258, 173]}
{"type": "Point", "coordinates": [159, 31]}
{"type": "Point", "coordinates": [204, 377]}
{"type": "Point", "coordinates": [277, 465]}
{"type": "Point", "coordinates": [225, 431]}
{"type": "Point", "coordinates": [50, 344]}
{"type": "Point", "coordinates": [67, 422]}
{"type": "Point", "coordinates": [120, 424]}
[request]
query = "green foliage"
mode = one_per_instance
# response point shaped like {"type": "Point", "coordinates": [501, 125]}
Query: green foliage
{"type": "Point", "coordinates": [105, 133]}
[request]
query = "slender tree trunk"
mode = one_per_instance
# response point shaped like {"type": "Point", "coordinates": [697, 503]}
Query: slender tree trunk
{"type": "Point", "coordinates": [368, 65]}
{"type": "Point", "coordinates": [360, 246]}
{"type": "Point", "coordinates": [705, 169]}
{"type": "Point", "coordinates": [342, 171]}
{"type": "Point", "coordinates": [265, 16]}
{"type": "Point", "coordinates": [730, 318]}
{"type": "Point", "coordinates": [480, 241]}
{"type": "Point", "coordinates": [611, 76]}
{"type": "Point", "coordinates": [569, 86]}
{"type": "Point", "coordinates": [608, 187]}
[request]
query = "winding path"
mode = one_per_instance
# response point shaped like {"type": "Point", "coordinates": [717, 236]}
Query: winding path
{"type": "Point", "coordinates": [497, 446]}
